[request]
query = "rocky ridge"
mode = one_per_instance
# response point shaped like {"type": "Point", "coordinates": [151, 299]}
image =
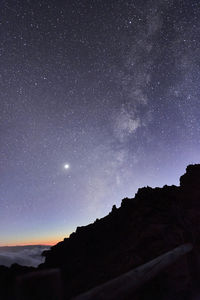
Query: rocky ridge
{"type": "Point", "coordinates": [155, 221]}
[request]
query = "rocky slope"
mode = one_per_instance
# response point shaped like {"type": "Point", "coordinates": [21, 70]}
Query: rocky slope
{"type": "Point", "coordinates": [154, 222]}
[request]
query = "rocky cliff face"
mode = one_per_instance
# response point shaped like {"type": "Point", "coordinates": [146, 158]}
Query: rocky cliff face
{"type": "Point", "coordinates": [155, 221]}
{"type": "Point", "coordinates": [191, 179]}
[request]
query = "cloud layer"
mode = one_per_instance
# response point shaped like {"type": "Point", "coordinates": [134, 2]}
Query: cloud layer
{"type": "Point", "coordinates": [23, 255]}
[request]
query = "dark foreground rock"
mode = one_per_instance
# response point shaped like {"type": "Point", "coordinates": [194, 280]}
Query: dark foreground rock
{"type": "Point", "coordinates": [8, 280]}
{"type": "Point", "coordinates": [154, 222]}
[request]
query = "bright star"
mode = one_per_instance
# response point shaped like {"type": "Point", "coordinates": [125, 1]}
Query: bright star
{"type": "Point", "coordinates": [66, 166]}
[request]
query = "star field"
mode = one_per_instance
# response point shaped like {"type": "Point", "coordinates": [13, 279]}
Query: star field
{"type": "Point", "coordinates": [97, 99]}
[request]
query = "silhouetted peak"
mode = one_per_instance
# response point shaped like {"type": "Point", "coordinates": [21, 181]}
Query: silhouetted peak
{"type": "Point", "coordinates": [191, 179]}
{"type": "Point", "coordinates": [144, 192]}
{"type": "Point", "coordinates": [155, 221]}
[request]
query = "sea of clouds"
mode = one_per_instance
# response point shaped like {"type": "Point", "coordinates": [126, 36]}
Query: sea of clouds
{"type": "Point", "coordinates": [23, 255]}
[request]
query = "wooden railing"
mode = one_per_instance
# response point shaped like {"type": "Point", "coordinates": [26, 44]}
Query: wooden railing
{"type": "Point", "coordinates": [47, 284]}
{"type": "Point", "coordinates": [127, 283]}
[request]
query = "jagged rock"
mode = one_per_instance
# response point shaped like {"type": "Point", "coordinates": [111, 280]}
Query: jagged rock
{"type": "Point", "coordinates": [154, 222]}
{"type": "Point", "coordinates": [191, 179]}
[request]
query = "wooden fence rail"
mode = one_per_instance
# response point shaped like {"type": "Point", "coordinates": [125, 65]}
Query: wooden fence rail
{"type": "Point", "coordinates": [47, 284]}
{"type": "Point", "coordinates": [126, 284]}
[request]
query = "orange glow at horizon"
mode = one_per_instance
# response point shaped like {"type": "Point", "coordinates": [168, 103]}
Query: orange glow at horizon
{"type": "Point", "coordinates": [48, 242]}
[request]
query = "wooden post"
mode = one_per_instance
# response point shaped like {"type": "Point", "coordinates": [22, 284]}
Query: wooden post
{"type": "Point", "coordinates": [40, 285]}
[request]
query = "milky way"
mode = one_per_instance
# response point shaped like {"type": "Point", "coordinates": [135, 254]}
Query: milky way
{"type": "Point", "coordinates": [109, 89]}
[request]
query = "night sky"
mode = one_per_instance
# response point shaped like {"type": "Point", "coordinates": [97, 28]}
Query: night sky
{"type": "Point", "coordinates": [97, 99]}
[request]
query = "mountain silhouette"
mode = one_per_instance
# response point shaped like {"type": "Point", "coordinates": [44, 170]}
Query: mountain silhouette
{"type": "Point", "coordinates": [155, 221]}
